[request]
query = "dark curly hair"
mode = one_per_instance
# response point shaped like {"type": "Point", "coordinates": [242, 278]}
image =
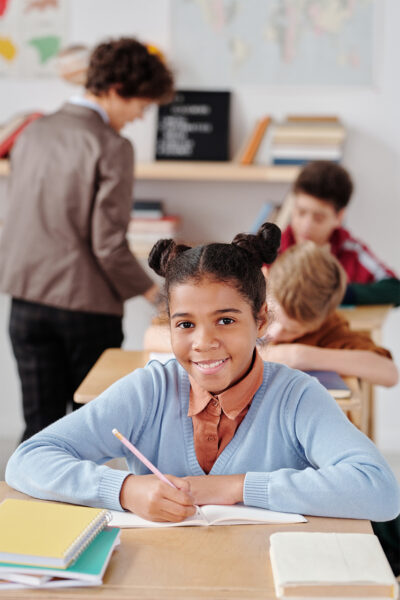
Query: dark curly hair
{"type": "Point", "coordinates": [131, 68]}
{"type": "Point", "coordinates": [326, 181]}
{"type": "Point", "coordinates": [238, 263]}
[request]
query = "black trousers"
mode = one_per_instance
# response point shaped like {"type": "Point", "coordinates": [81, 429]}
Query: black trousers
{"type": "Point", "coordinates": [54, 349]}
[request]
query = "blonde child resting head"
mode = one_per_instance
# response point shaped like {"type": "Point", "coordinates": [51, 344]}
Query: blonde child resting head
{"type": "Point", "coordinates": [305, 286]}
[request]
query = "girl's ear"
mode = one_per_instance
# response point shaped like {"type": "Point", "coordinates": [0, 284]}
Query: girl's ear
{"type": "Point", "coordinates": [262, 321]}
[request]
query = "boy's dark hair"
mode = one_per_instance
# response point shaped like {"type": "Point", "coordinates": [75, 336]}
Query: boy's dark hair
{"type": "Point", "coordinates": [131, 68]}
{"type": "Point", "coordinates": [326, 181]}
{"type": "Point", "coordinates": [238, 263]}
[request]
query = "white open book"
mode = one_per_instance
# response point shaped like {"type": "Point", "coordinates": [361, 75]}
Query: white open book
{"type": "Point", "coordinates": [212, 514]}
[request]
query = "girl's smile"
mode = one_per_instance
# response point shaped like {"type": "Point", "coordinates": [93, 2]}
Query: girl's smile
{"type": "Point", "coordinates": [213, 332]}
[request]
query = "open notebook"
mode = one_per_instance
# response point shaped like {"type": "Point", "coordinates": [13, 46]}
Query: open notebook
{"type": "Point", "coordinates": [212, 514]}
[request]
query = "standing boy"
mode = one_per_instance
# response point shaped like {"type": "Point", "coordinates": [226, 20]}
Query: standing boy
{"type": "Point", "coordinates": [64, 257]}
{"type": "Point", "coordinates": [322, 192]}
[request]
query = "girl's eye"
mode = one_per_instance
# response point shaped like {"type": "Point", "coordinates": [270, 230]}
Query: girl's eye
{"type": "Point", "coordinates": [226, 321]}
{"type": "Point", "coordinates": [185, 325]}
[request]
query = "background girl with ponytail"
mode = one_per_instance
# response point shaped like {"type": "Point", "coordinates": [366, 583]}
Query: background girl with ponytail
{"type": "Point", "coordinates": [223, 425]}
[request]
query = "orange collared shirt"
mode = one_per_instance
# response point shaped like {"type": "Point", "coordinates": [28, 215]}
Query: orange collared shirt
{"type": "Point", "coordinates": [216, 418]}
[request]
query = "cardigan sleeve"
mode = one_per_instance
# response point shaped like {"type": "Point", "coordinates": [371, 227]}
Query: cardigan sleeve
{"type": "Point", "coordinates": [344, 475]}
{"type": "Point", "coordinates": [65, 461]}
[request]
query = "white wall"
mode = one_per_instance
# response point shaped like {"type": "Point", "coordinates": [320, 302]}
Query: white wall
{"type": "Point", "coordinates": [218, 211]}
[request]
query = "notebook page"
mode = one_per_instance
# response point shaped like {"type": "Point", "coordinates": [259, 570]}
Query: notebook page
{"type": "Point", "coordinates": [126, 520]}
{"type": "Point", "coordinates": [238, 514]}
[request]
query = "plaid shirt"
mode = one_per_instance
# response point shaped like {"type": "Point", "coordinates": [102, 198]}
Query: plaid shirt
{"type": "Point", "coordinates": [360, 264]}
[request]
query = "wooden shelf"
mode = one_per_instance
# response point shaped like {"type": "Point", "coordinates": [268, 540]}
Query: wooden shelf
{"type": "Point", "coordinates": [204, 171]}
{"type": "Point", "coordinates": [214, 171]}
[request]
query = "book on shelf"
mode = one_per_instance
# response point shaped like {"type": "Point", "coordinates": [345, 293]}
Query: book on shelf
{"type": "Point", "coordinates": [210, 514]}
{"type": "Point", "coordinates": [297, 118]}
{"type": "Point", "coordinates": [167, 224]}
{"type": "Point", "coordinates": [252, 144]}
{"type": "Point", "coordinates": [143, 233]}
{"type": "Point", "coordinates": [326, 565]}
{"type": "Point", "coordinates": [48, 534]}
{"type": "Point", "coordinates": [301, 139]}
{"type": "Point", "coordinates": [87, 570]}
{"type": "Point", "coordinates": [147, 209]}
{"type": "Point", "coordinates": [309, 132]}
{"type": "Point", "coordinates": [332, 382]}
{"type": "Point", "coordinates": [10, 130]}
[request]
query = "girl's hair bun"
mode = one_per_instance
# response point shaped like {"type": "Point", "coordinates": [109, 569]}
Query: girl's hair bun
{"type": "Point", "coordinates": [263, 246]}
{"type": "Point", "coordinates": [162, 253]}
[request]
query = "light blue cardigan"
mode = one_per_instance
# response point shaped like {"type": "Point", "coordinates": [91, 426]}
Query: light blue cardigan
{"type": "Point", "coordinates": [298, 450]}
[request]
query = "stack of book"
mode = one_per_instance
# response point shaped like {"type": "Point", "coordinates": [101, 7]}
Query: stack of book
{"type": "Point", "coordinates": [50, 544]}
{"type": "Point", "coordinates": [301, 139]}
{"type": "Point", "coordinates": [148, 224]}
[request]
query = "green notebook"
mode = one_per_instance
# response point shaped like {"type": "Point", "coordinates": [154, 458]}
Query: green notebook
{"type": "Point", "coordinates": [88, 569]}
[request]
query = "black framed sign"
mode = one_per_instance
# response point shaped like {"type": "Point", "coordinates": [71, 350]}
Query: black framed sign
{"type": "Point", "coordinates": [194, 126]}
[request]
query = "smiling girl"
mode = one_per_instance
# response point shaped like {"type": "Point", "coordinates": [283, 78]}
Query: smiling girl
{"type": "Point", "coordinates": [224, 425]}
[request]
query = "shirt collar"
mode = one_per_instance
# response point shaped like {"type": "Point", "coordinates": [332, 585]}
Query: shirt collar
{"type": "Point", "coordinates": [234, 399]}
{"type": "Point", "coordinates": [81, 101]}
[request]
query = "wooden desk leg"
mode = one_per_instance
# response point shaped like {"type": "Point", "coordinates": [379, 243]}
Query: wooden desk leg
{"type": "Point", "coordinates": [367, 410]}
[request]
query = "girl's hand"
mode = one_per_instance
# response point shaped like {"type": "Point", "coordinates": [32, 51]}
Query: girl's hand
{"type": "Point", "coordinates": [154, 500]}
{"type": "Point", "coordinates": [216, 489]}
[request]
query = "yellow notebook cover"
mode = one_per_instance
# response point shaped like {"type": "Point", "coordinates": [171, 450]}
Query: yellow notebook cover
{"type": "Point", "coordinates": [47, 533]}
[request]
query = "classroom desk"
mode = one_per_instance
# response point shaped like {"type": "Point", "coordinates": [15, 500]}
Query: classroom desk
{"type": "Point", "coordinates": [188, 563]}
{"type": "Point", "coordinates": [368, 319]}
{"type": "Point", "coordinates": [114, 363]}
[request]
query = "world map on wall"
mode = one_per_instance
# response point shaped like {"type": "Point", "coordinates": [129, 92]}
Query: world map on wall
{"type": "Point", "coordinates": [225, 42]}
{"type": "Point", "coordinates": [31, 34]}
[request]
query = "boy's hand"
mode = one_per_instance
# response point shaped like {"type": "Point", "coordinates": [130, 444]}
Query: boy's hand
{"type": "Point", "coordinates": [286, 354]}
{"type": "Point", "coordinates": [216, 489]}
{"type": "Point", "coordinates": [152, 499]}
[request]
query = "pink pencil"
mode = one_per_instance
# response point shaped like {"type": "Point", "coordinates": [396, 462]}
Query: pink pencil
{"type": "Point", "coordinates": [140, 456]}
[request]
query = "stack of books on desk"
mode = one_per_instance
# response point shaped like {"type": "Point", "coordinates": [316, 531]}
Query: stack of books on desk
{"type": "Point", "coordinates": [148, 224]}
{"type": "Point", "coordinates": [50, 544]}
{"type": "Point", "coordinates": [301, 139]}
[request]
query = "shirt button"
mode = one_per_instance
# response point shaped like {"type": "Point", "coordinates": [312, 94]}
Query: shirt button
{"type": "Point", "coordinates": [211, 438]}
{"type": "Point", "coordinates": [215, 402]}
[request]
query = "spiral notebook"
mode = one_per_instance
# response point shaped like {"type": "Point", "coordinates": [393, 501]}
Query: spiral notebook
{"type": "Point", "coordinates": [87, 570]}
{"type": "Point", "coordinates": [47, 534]}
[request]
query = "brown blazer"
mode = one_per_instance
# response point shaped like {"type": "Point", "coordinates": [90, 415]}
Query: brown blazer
{"type": "Point", "coordinates": [69, 202]}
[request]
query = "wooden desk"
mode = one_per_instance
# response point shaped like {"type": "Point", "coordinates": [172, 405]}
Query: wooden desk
{"type": "Point", "coordinates": [115, 363]}
{"type": "Point", "coordinates": [368, 319]}
{"type": "Point", "coordinates": [188, 563]}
